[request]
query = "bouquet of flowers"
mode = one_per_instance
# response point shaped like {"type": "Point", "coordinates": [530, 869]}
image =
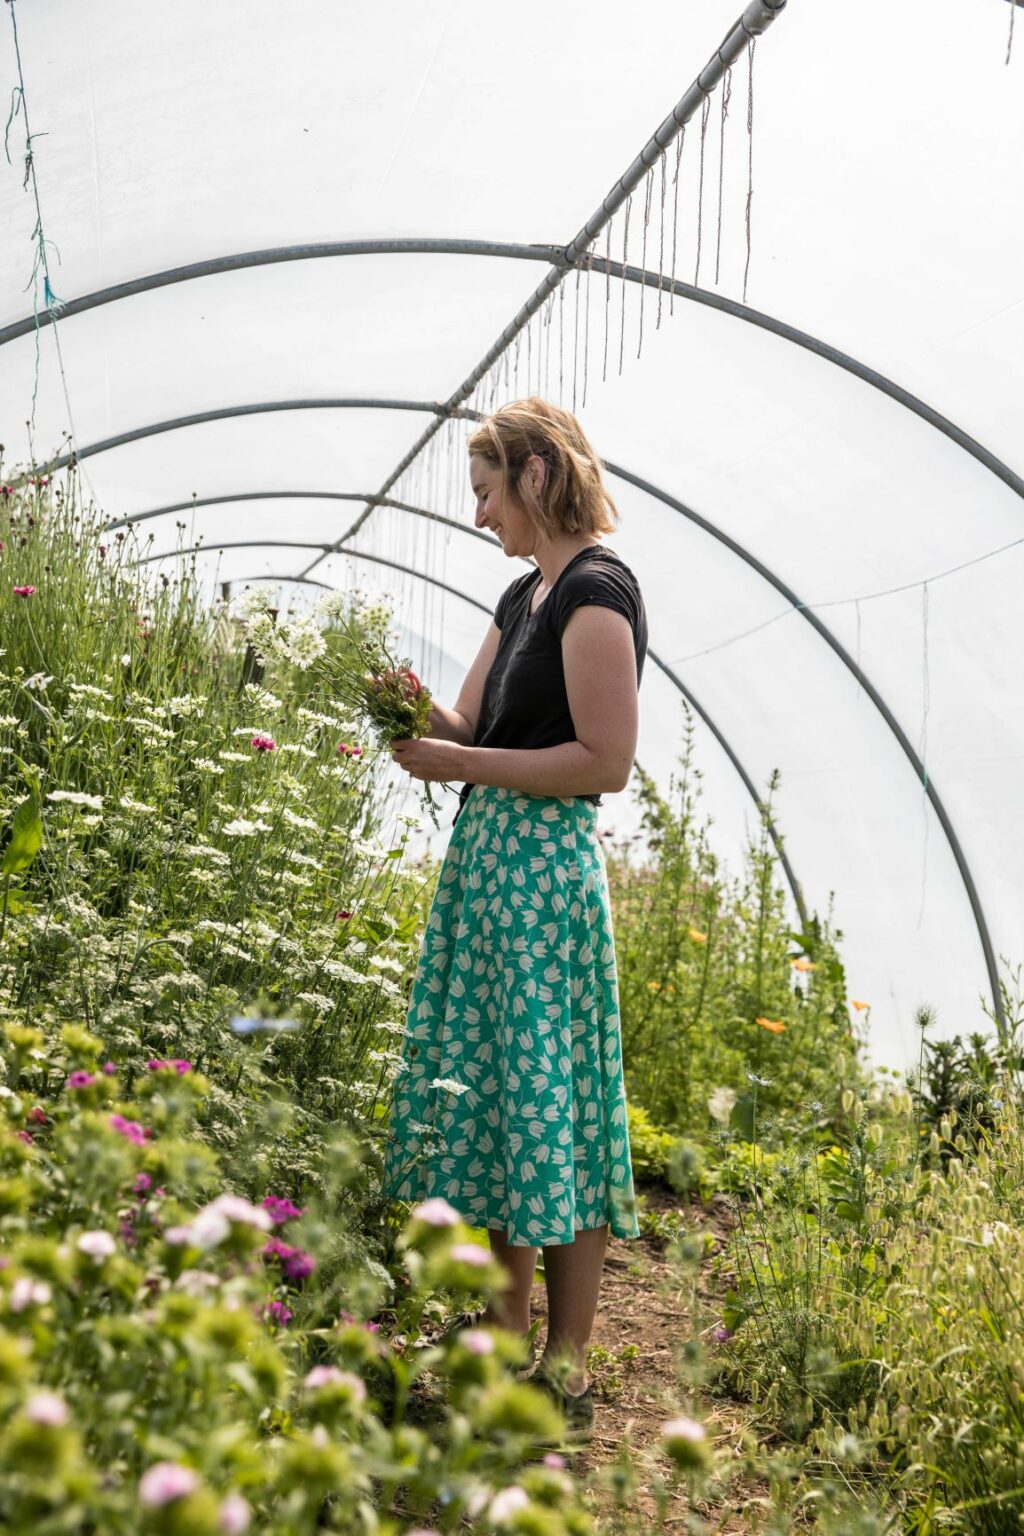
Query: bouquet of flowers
{"type": "Point", "coordinates": [362, 674]}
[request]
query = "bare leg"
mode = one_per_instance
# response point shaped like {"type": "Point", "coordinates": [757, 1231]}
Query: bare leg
{"type": "Point", "coordinates": [512, 1309]}
{"type": "Point", "coordinates": [573, 1274]}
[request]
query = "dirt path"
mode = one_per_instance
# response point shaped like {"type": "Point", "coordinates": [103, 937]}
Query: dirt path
{"type": "Point", "coordinates": [642, 1324]}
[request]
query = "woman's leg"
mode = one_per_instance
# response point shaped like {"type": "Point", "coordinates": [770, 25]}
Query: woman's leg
{"type": "Point", "coordinates": [573, 1275]}
{"type": "Point", "coordinates": [512, 1309]}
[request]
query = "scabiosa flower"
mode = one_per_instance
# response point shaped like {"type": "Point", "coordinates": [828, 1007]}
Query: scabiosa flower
{"type": "Point", "coordinates": [48, 1409]}
{"type": "Point", "coordinates": [436, 1212]}
{"type": "Point", "coordinates": [109, 1068]}
{"type": "Point", "coordinates": [263, 743]}
{"type": "Point", "coordinates": [237, 1209]}
{"type": "Point", "coordinates": [155, 1064]}
{"type": "Point", "coordinates": [24, 591]}
{"type": "Point", "coordinates": [685, 1441]}
{"type": "Point", "coordinates": [80, 1080]}
{"type": "Point", "coordinates": [328, 1375]}
{"type": "Point", "coordinates": [723, 1335]}
{"type": "Point", "coordinates": [234, 1515]}
{"type": "Point", "coordinates": [278, 1313]}
{"type": "Point", "coordinates": [97, 1246]}
{"type": "Point", "coordinates": [477, 1340]}
{"type": "Point", "coordinates": [552, 1459]}
{"type": "Point", "coordinates": [166, 1481]}
{"type": "Point", "coordinates": [143, 1184]}
{"type": "Point", "coordinates": [343, 917]}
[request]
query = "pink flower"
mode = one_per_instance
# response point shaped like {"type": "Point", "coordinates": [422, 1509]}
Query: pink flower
{"type": "Point", "coordinates": [235, 1208]}
{"type": "Point", "coordinates": [723, 1335]}
{"type": "Point", "coordinates": [263, 743]}
{"type": "Point", "coordinates": [81, 1080]}
{"type": "Point", "coordinates": [278, 1313]}
{"type": "Point", "coordinates": [109, 1068]}
{"type": "Point", "coordinates": [48, 1409]}
{"type": "Point", "coordinates": [37, 1115]}
{"type": "Point", "coordinates": [26, 1292]}
{"type": "Point", "coordinates": [155, 1064]}
{"type": "Point", "coordinates": [552, 1459]}
{"type": "Point", "coordinates": [506, 1502]}
{"type": "Point", "coordinates": [295, 1263]}
{"type": "Point", "coordinates": [477, 1340]}
{"type": "Point", "coordinates": [282, 1210]}
{"type": "Point", "coordinates": [166, 1481]}
{"type": "Point", "coordinates": [24, 591]}
{"type": "Point", "coordinates": [355, 752]}
{"type": "Point", "coordinates": [27, 1137]}
{"type": "Point", "coordinates": [470, 1253]}
{"type": "Point", "coordinates": [131, 1130]}
{"type": "Point", "coordinates": [97, 1246]}
{"type": "Point", "coordinates": [233, 1515]}
{"type": "Point", "coordinates": [436, 1213]}
{"type": "Point", "coordinates": [343, 917]}
{"type": "Point", "coordinates": [143, 1183]}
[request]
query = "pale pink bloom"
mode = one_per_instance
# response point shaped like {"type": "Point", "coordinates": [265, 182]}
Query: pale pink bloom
{"type": "Point", "coordinates": [208, 1229]}
{"type": "Point", "coordinates": [470, 1253]}
{"type": "Point", "coordinates": [48, 1409]}
{"type": "Point", "coordinates": [328, 1375]}
{"type": "Point", "coordinates": [436, 1213]}
{"type": "Point", "coordinates": [506, 1502]}
{"type": "Point", "coordinates": [178, 1237]}
{"type": "Point", "coordinates": [235, 1208]}
{"type": "Point", "coordinates": [166, 1481]}
{"type": "Point", "coordinates": [684, 1429]}
{"type": "Point", "coordinates": [424, 1530]}
{"type": "Point", "coordinates": [477, 1340]}
{"type": "Point", "coordinates": [97, 1245]}
{"type": "Point", "coordinates": [26, 1292]}
{"type": "Point", "coordinates": [552, 1459]}
{"type": "Point", "coordinates": [234, 1515]}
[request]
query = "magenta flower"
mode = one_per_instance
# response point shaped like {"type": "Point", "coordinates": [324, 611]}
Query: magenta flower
{"type": "Point", "coordinates": [131, 1130]}
{"type": "Point", "coordinates": [27, 1136]}
{"type": "Point", "coordinates": [143, 1184]}
{"type": "Point", "coordinates": [264, 743]}
{"type": "Point", "coordinates": [296, 1264]}
{"type": "Point", "coordinates": [155, 1064]}
{"type": "Point", "coordinates": [81, 1080]}
{"type": "Point", "coordinates": [109, 1068]}
{"type": "Point", "coordinates": [278, 1313]}
{"type": "Point", "coordinates": [37, 1115]}
{"type": "Point", "coordinates": [282, 1210]}
{"type": "Point", "coordinates": [723, 1335]}
{"type": "Point", "coordinates": [24, 591]}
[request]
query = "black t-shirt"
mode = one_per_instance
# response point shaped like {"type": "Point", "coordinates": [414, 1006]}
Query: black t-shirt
{"type": "Point", "coordinates": [524, 702]}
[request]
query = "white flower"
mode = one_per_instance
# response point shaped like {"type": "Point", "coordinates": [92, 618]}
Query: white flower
{"type": "Point", "coordinates": [6, 720]}
{"type": "Point", "coordinates": [234, 1515]}
{"type": "Point", "coordinates": [48, 1409]}
{"type": "Point", "coordinates": [205, 766]}
{"type": "Point", "coordinates": [477, 1340]}
{"type": "Point", "coordinates": [262, 699]}
{"type": "Point", "coordinates": [207, 1230]}
{"type": "Point", "coordinates": [242, 1211]}
{"type": "Point", "coordinates": [74, 797]}
{"type": "Point", "coordinates": [166, 1481]}
{"type": "Point", "coordinates": [306, 822]}
{"type": "Point", "coordinates": [507, 1502]}
{"type": "Point", "coordinates": [137, 806]}
{"type": "Point", "coordinates": [126, 660]}
{"type": "Point", "coordinates": [37, 682]}
{"type": "Point", "coordinates": [449, 1085]}
{"type": "Point", "coordinates": [235, 757]}
{"type": "Point", "coordinates": [303, 642]}
{"type": "Point", "coordinates": [186, 704]}
{"type": "Point", "coordinates": [240, 827]}
{"type": "Point", "coordinates": [721, 1104]}
{"type": "Point", "coordinates": [26, 1292]}
{"type": "Point", "coordinates": [91, 692]}
{"type": "Point", "coordinates": [255, 600]}
{"type": "Point", "coordinates": [97, 1245]}
{"type": "Point", "coordinates": [334, 605]}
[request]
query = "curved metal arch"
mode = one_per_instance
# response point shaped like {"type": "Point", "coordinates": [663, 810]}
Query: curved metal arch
{"type": "Point", "coordinates": [826, 634]}
{"type": "Point", "coordinates": [682, 689]}
{"type": "Point", "coordinates": [554, 256]}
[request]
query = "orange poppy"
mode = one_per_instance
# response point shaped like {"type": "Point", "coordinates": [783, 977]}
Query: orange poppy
{"type": "Point", "coordinates": [855, 1002]}
{"type": "Point", "coordinates": [697, 936]}
{"type": "Point", "coordinates": [775, 1025]}
{"type": "Point", "coordinates": [803, 965]}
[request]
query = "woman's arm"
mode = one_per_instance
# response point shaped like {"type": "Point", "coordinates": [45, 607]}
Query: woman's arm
{"type": "Point", "coordinates": [459, 724]}
{"type": "Point", "coordinates": [599, 660]}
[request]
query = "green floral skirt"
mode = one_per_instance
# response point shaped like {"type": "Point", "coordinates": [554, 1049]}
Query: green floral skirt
{"type": "Point", "coordinates": [510, 1101]}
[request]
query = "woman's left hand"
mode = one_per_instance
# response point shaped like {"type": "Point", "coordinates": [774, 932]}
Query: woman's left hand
{"type": "Point", "coordinates": [429, 758]}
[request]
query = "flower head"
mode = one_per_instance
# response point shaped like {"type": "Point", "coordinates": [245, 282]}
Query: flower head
{"type": "Point", "coordinates": [48, 1409]}
{"type": "Point", "coordinates": [131, 1130]}
{"type": "Point", "coordinates": [855, 1002]}
{"type": "Point", "coordinates": [234, 1515]}
{"type": "Point", "coordinates": [263, 743]}
{"type": "Point", "coordinates": [166, 1481]}
{"type": "Point", "coordinates": [436, 1213]}
{"type": "Point", "coordinates": [697, 936]}
{"type": "Point", "coordinates": [282, 1210]}
{"type": "Point", "coordinates": [685, 1441]}
{"type": "Point", "coordinates": [803, 965]}
{"type": "Point", "coordinates": [24, 591]}
{"type": "Point", "coordinates": [477, 1340]}
{"type": "Point", "coordinates": [774, 1026]}
{"type": "Point", "coordinates": [80, 1080]}
{"type": "Point", "coordinates": [470, 1253]}
{"type": "Point", "coordinates": [97, 1246]}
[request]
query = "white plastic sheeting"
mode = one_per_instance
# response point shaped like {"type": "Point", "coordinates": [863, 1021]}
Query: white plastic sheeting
{"type": "Point", "coordinates": [887, 220]}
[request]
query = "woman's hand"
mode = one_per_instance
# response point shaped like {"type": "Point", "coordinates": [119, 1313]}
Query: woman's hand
{"type": "Point", "coordinates": [429, 758]}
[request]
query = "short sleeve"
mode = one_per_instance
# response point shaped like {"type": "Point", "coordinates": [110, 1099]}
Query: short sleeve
{"type": "Point", "coordinates": [604, 585]}
{"type": "Point", "coordinates": [510, 592]}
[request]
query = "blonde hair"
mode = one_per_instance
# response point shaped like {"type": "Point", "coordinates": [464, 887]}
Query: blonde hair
{"type": "Point", "coordinates": [574, 498]}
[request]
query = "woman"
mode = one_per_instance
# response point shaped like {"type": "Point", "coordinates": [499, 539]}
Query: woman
{"type": "Point", "coordinates": [515, 1000]}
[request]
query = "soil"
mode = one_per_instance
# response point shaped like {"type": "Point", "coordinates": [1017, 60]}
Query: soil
{"type": "Point", "coordinates": [646, 1306]}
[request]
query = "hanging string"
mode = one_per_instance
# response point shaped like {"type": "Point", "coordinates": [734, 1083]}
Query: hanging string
{"type": "Point", "coordinates": [576, 336]}
{"type": "Point", "coordinates": [726, 94]}
{"type": "Point", "coordinates": [561, 339]}
{"type": "Point", "coordinates": [549, 313]}
{"type": "Point", "coordinates": [625, 255]}
{"type": "Point", "coordinates": [529, 358]}
{"type": "Point", "coordinates": [586, 320]}
{"type": "Point", "coordinates": [1009, 41]}
{"type": "Point", "coordinates": [675, 217]}
{"type": "Point", "coordinates": [704, 116]}
{"type": "Point", "coordinates": [19, 103]}
{"type": "Point", "coordinates": [750, 153]}
{"type": "Point", "coordinates": [648, 189]}
{"type": "Point", "coordinates": [661, 240]}
{"type": "Point", "coordinates": [607, 294]}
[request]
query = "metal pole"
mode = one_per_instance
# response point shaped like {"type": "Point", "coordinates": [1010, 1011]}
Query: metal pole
{"type": "Point", "coordinates": [756, 18]}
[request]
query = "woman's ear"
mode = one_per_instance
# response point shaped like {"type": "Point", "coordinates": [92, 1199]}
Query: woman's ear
{"type": "Point", "coordinates": [538, 474]}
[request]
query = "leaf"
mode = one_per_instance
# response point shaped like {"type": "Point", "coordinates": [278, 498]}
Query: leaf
{"type": "Point", "coordinates": [26, 836]}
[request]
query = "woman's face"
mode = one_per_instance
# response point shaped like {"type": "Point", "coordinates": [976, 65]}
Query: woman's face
{"type": "Point", "coordinates": [505, 514]}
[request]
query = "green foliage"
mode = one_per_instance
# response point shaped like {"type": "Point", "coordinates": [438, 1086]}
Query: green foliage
{"type": "Point", "coordinates": [714, 984]}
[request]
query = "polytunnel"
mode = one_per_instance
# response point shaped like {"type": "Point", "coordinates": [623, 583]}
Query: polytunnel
{"type": "Point", "coordinates": [769, 254]}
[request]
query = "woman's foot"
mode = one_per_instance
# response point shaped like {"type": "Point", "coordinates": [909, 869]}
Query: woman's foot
{"type": "Point", "coordinates": [577, 1408]}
